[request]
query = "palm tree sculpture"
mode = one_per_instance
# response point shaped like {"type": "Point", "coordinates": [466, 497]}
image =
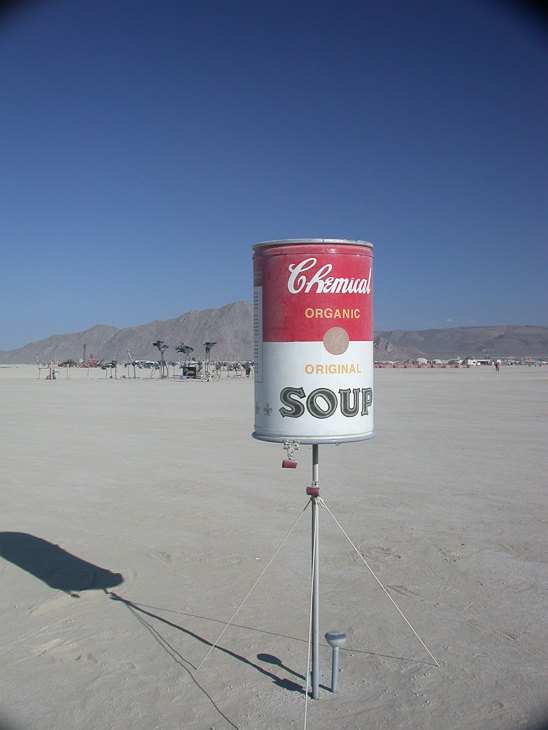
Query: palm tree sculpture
{"type": "Point", "coordinates": [185, 349]}
{"type": "Point", "coordinates": [208, 346]}
{"type": "Point", "coordinates": [162, 347]}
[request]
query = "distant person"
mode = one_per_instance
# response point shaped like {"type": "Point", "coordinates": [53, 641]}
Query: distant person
{"type": "Point", "coordinates": [497, 366]}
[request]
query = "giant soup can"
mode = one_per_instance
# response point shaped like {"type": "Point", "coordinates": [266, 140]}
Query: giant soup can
{"type": "Point", "coordinates": [313, 337]}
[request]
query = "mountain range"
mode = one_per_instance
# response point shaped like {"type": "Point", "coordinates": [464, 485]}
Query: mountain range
{"type": "Point", "coordinates": [231, 328]}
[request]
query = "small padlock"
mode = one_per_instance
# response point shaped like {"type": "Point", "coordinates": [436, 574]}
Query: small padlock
{"type": "Point", "coordinates": [289, 464]}
{"type": "Point", "coordinates": [290, 447]}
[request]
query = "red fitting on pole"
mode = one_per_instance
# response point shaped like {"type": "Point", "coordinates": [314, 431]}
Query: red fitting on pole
{"type": "Point", "coordinates": [313, 491]}
{"type": "Point", "coordinates": [289, 464]}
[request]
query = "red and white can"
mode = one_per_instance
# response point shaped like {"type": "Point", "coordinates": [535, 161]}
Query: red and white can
{"type": "Point", "coordinates": [313, 334]}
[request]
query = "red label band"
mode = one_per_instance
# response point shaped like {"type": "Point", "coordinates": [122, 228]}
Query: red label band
{"type": "Point", "coordinates": [307, 290]}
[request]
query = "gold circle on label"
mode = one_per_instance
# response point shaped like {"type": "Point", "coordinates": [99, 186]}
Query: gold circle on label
{"type": "Point", "coordinates": [336, 340]}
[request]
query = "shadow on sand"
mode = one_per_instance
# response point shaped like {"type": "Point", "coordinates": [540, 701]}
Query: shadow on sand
{"type": "Point", "coordinates": [53, 565]}
{"type": "Point", "coordinates": [139, 612]}
{"type": "Point", "coordinates": [143, 616]}
{"type": "Point", "coordinates": [63, 571]}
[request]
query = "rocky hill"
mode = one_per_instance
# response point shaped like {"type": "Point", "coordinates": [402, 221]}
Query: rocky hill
{"type": "Point", "coordinates": [499, 341]}
{"type": "Point", "coordinates": [231, 327]}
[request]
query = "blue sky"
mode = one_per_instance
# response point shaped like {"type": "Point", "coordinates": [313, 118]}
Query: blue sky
{"type": "Point", "coordinates": [145, 146]}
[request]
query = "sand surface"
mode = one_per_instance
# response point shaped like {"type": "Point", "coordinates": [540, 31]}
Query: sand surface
{"type": "Point", "coordinates": [137, 514]}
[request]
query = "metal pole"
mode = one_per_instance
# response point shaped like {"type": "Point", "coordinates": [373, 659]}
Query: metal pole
{"type": "Point", "coordinates": [335, 669]}
{"type": "Point", "coordinates": [316, 578]}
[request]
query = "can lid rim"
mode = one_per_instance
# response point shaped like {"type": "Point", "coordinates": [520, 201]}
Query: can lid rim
{"type": "Point", "coordinates": [290, 241]}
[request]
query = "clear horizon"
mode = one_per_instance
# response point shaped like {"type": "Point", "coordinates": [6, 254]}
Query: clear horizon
{"type": "Point", "coordinates": [146, 147]}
